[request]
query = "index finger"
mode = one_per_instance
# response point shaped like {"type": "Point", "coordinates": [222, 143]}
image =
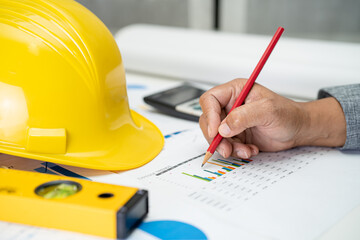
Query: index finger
{"type": "Point", "coordinates": [214, 100]}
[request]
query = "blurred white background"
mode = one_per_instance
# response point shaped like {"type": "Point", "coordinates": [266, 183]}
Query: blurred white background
{"type": "Point", "coordinates": [333, 20]}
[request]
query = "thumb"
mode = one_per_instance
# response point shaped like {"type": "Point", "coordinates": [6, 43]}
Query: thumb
{"type": "Point", "coordinates": [246, 116]}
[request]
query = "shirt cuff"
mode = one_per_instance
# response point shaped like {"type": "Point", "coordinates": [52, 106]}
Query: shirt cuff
{"type": "Point", "coordinates": [349, 98]}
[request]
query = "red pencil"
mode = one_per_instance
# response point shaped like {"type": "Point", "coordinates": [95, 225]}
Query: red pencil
{"type": "Point", "coordinates": [244, 92]}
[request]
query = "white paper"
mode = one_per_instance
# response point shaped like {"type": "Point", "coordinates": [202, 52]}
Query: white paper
{"type": "Point", "coordinates": [295, 194]}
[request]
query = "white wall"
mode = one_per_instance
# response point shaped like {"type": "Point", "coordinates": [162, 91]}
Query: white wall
{"type": "Point", "coordinates": [179, 13]}
{"type": "Point", "coordinates": [337, 20]}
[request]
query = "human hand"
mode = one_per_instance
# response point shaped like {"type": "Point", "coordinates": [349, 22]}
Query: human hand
{"type": "Point", "coordinates": [267, 121]}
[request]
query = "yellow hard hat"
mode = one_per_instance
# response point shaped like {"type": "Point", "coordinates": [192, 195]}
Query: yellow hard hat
{"type": "Point", "coordinates": [63, 92]}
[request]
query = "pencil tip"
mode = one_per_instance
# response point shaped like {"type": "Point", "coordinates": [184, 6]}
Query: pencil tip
{"type": "Point", "coordinates": [206, 158]}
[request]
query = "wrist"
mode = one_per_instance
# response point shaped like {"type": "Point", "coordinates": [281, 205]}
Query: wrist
{"type": "Point", "coordinates": [324, 124]}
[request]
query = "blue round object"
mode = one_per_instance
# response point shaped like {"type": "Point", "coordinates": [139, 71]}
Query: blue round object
{"type": "Point", "coordinates": [167, 230]}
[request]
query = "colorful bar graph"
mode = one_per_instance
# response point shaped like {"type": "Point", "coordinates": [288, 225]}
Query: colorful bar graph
{"type": "Point", "coordinates": [227, 169]}
{"type": "Point", "coordinates": [227, 162]}
{"type": "Point", "coordinates": [198, 177]}
{"type": "Point", "coordinates": [242, 160]}
{"type": "Point", "coordinates": [217, 164]}
{"type": "Point", "coordinates": [225, 166]}
{"type": "Point", "coordinates": [218, 173]}
{"type": "Point", "coordinates": [246, 160]}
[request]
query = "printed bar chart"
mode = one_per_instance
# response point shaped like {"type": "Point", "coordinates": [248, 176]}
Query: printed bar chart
{"type": "Point", "coordinates": [227, 162]}
{"type": "Point", "coordinates": [198, 177]}
{"type": "Point", "coordinates": [218, 167]}
{"type": "Point", "coordinates": [218, 173]}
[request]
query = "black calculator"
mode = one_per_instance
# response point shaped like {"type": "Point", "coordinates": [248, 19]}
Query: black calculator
{"type": "Point", "coordinates": [181, 102]}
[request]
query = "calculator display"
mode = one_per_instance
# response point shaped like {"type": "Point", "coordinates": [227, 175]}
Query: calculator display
{"type": "Point", "coordinates": [182, 102]}
{"type": "Point", "coordinates": [179, 95]}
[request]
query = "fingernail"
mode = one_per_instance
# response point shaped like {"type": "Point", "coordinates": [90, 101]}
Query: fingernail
{"type": "Point", "coordinates": [242, 154]}
{"type": "Point", "coordinates": [209, 131]}
{"type": "Point", "coordinates": [253, 151]}
{"type": "Point", "coordinates": [221, 151]}
{"type": "Point", "coordinates": [224, 129]}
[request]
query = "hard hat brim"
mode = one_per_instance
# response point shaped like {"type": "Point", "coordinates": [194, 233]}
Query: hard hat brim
{"type": "Point", "coordinates": [140, 145]}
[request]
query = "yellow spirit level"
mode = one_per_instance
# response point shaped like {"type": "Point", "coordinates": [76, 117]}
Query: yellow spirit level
{"type": "Point", "coordinates": [70, 204]}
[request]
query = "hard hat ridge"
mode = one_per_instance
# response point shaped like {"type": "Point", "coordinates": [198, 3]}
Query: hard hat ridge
{"type": "Point", "coordinates": [49, 24]}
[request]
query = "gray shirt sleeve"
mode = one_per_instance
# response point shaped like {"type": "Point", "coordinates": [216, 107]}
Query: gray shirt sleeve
{"type": "Point", "coordinates": [349, 98]}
